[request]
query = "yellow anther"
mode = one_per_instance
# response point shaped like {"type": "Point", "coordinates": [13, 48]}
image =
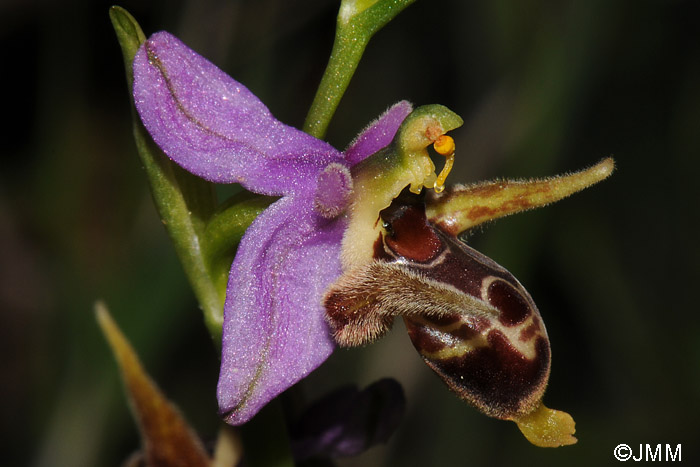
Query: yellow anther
{"type": "Point", "coordinates": [445, 146]}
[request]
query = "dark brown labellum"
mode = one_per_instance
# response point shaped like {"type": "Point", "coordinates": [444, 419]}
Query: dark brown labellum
{"type": "Point", "coordinates": [472, 322]}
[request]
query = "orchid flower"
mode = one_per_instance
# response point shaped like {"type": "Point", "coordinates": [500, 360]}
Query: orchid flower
{"type": "Point", "coordinates": [353, 242]}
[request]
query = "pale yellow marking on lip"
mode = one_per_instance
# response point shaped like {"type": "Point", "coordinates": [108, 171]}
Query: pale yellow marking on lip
{"type": "Point", "coordinates": [455, 347]}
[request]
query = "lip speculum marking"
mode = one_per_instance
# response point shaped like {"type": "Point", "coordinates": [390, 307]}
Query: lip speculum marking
{"type": "Point", "coordinates": [485, 361]}
{"type": "Point", "coordinates": [469, 318]}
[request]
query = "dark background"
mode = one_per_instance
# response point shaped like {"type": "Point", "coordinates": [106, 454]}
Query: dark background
{"type": "Point", "coordinates": [544, 87]}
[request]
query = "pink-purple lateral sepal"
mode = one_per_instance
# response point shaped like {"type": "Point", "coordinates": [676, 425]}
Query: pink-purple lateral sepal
{"type": "Point", "coordinates": [274, 328]}
{"type": "Point", "coordinates": [216, 128]}
{"type": "Point", "coordinates": [378, 134]}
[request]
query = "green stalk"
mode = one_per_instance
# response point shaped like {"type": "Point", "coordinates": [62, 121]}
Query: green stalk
{"type": "Point", "coordinates": [184, 202]}
{"type": "Point", "coordinates": [358, 20]}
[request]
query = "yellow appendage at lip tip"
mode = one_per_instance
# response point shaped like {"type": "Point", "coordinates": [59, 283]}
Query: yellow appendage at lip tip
{"type": "Point", "coordinates": [547, 428]}
{"type": "Point", "coordinates": [445, 146]}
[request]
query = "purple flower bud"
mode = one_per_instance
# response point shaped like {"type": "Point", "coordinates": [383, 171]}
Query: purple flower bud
{"type": "Point", "coordinates": [349, 421]}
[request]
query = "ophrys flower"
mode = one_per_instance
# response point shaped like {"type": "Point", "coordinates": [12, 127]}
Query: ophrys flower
{"type": "Point", "coordinates": [341, 244]}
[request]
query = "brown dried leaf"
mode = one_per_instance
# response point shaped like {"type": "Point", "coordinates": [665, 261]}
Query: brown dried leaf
{"type": "Point", "coordinates": [167, 438]}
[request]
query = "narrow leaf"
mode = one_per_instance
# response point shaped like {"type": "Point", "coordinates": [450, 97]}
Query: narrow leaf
{"type": "Point", "coordinates": [167, 438]}
{"type": "Point", "coordinates": [184, 202]}
{"type": "Point", "coordinates": [129, 35]}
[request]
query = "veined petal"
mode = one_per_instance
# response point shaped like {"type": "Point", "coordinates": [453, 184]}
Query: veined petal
{"type": "Point", "coordinates": [378, 134]}
{"type": "Point", "coordinates": [274, 327]}
{"type": "Point", "coordinates": [216, 128]}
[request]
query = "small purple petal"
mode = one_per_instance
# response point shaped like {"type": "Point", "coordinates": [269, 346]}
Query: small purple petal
{"type": "Point", "coordinates": [333, 190]}
{"type": "Point", "coordinates": [274, 327]}
{"type": "Point", "coordinates": [378, 134]}
{"type": "Point", "coordinates": [216, 128]}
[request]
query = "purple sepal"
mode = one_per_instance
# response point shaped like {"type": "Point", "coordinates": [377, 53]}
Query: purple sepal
{"type": "Point", "coordinates": [378, 134]}
{"type": "Point", "coordinates": [216, 128]}
{"type": "Point", "coordinates": [274, 330]}
{"type": "Point", "coordinates": [348, 421]}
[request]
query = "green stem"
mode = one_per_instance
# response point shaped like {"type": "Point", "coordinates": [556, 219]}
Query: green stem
{"type": "Point", "coordinates": [357, 23]}
{"type": "Point", "coordinates": [341, 67]}
{"type": "Point", "coordinates": [184, 225]}
{"type": "Point", "coordinates": [184, 202]}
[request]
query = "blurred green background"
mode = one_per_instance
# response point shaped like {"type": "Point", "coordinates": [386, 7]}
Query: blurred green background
{"type": "Point", "coordinates": [544, 87]}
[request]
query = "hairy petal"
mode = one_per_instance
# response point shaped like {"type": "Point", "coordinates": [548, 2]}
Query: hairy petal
{"type": "Point", "coordinates": [216, 128]}
{"type": "Point", "coordinates": [460, 208]}
{"type": "Point", "coordinates": [378, 134]}
{"type": "Point", "coordinates": [274, 329]}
